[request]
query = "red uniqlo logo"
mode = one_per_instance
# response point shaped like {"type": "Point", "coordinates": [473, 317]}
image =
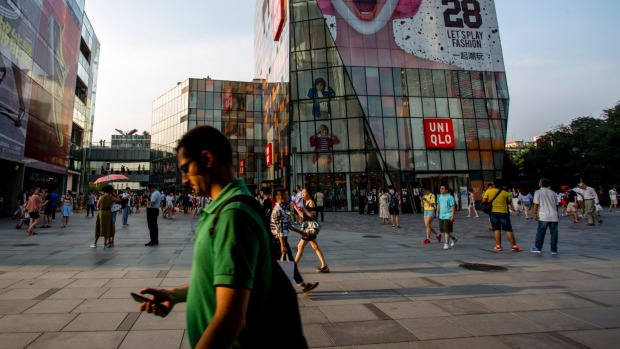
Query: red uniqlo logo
{"type": "Point", "coordinates": [268, 154]}
{"type": "Point", "coordinates": [439, 133]}
{"type": "Point", "coordinates": [241, 166]}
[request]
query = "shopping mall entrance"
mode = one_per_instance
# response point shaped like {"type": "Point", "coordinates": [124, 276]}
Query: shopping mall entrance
{"type": "Point", "coordinates": [457, 182]}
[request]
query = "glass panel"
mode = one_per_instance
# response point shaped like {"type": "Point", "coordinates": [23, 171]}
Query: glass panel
{"type": "Point", "coordinates": [376, 125]}
{"type": "Point", "coordinates": [417, 132]}
{"type": "Point", "coordinates": [400, 82]}
{"type": "Point", "coordinates": [421, 163]}
{"type": "Point", "coordinates": [477, 85]}
{"type": "Point", "coordinates": [497, 135]}
{"type": "Point", "coordinates": [374, 106]}
{"type": "Point", "coordinates": [317, 33]}
{"type": "Point", "coordinates": [471, 133]}
{"type": "Point", "coordinates": [484, 134]}
{"type": "Point", "coordinates": [388, 106]}
{"type": "Point", "coordinates": [353, 107]}
{"type": "Point", "coordinates": [359, 80]}
{"type": "Point", "coordinates": [341, 163]}
{"type": "Point", "coordinates": [300, 11]}
{"type": "Point", "coordinates": [499, 159]}
{"type": "Point", "coordinates": [428, 105]}
{"type": "Point", "coordinates": [487, 160]}
{"type": "Point", "coordinates": [442, 107]}
{"type": "Point", "coordinates": [339, 134]}
{"type": "Point", "coordinates": [319, 58]}
{"type": "Point", "coordinates": [372, 81]}
{"type": "Point", "coordinates": [307, 130]}
{"type": "Point", "coordinates": [434, 160]}
{"type": "Point", "coordinates": [305, 111]}
{"type": "Point", "coordinates": [391, 159]}
{"type": "Point", "coordinates": [390, 132]}
{"type": "Point", "coordinates": [415, 104]}
{"type": "Point", "coordinates": [337, 107]}
{"type": "Point", "coordinates": [467, 106]}
{"type": "Point", "coordinates": [386, 82]}
{"type": "Point", "coordinates": [460, 158]}
{"type": "Point", "coordinates": [356, 129]}
{"type": "Point", "coordinates": [493, 108]}
{"type": "Point", "coordinates": [447, 160]}
{"type": "Point", "coordinates": [502, 85]}
{"type": "Point", "coordinates": [413, 82]}
{"type": "Point", "coordinates": [452, 83]}
{"type": "Point", "coordinates": [480, 108]}
{"type": "Point", "coordinates": [465, 84]}
{"type": "Point", "coordinates": [308, 163]}
{"type": "Point", "coordinates": [404, 133]}
{"type": "Point", "coordinates": [304, 83]}
{"type": "Point", "coordinates": [406, 160]}
{"type": "Point", "coordinates": [358, 162]}
{"type": "Point", "coordinates": [489, 85]}
{"type": "Point", "coordinates": [459, 135]}
{"type": "Point", "coordinates": [455, 108]}
{"type": "Point", "coordinates": [402, 107]}
{"type": "Point", "coordinates": [439, 83]}
{"type": "Point", "coordinates": [301, 36]}
{"type": "Point", "coordinates": [426, 83]}
{"type": "Point", "coordinates": [473, 158]}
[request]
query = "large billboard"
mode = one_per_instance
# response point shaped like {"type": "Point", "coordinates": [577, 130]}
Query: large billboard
{"type": "Point", "coordinates": [39, 42]}
{"type": "Point", "coordinates": [434, 34]}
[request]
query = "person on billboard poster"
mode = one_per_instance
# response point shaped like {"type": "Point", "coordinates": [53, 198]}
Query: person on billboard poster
{"type": "Point", "coordinates": [323, 142]}
{"type": "Point", "coordinates": [365, 32]}
{"type": "Point", "coordinates": [321, 109]}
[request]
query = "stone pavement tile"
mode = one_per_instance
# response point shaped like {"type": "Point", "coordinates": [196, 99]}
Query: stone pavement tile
{"type": "Point", "coordinates": [174, 321]}
{"type": "Point", "coordinates": [612, 272]}
{"type": "Point", "coordinates": [430, 293]}
{"type": "Point", "coordinates": [23, 293]}
{"type": "Point", "coordinates": [411, 309]}
{"type": "Point", "coordinates": [590, 285]}
{"type": "Point", "coordinates": [56, 306]}
{"type": "Point", "coordinates": [349, 312]}
{"type": "Point", "coordinates": [16, 340]}
{"type": "Point", "coordinates": [58, 275]}
{"type": "Point", "coordinates": [434, 328]}
{"type": "Point", "coordinates": [359, 285]}
{"type": "Point", "coordinates": [457, 280]}
{"type": "Point", "coordinates": [120, 292]}
{"type": "Point", "coordinates": [137, 283]}
{"type": "Point", "coordinates": [534, 287]}
{"type": "Point", "coordinates": [34, 322]}
{"type": "Point", "coordinates": [402, 345]}
{"type": "Point", "coordinates": [88, 283]}
{"type": "Point", "coordinates": [600, 339]}
{"type": "Point", "coordinates": [79, 293]}
{"type": "Point", "coordinates": [602, 317]}
{"type": "Point", "coordinates": [13, 306]}
{"type": "Point", "coordinates": [566, 300]}
{"type": "Point", "coordinates": [312, 315]}
{"type": "Point", "coordinates": [463, 343]}
{"type": "Point", "coordinates": [42, 283]}
{"type": "Point", "coordinates": [32, 267]}
{"type": "Point", "coordinates": [509, 303]}
{"type": "Point", "coordinates": [156, 267]}
{"type": "Point", "coordinates": [537, 341]}
{"type": "Point", "coordinates": [607, 297]}
{"type": "Point", "coordinates": [95, 322]}
{"type": "Point", "coordinates": [79, 340]}
{"type": "Point", "coordinates": [185, 341]}
{"type": "Point", "coordinates": [367, 332]}
{"type": "Point", "coordinates": [100, 274]}
{"type": "Point", "coordinates": [461, 306]}
{"type": "Point", "coordinates": [413, 283]}
{"type": "Point", "coordinates": [556, 320]}
{"type": "Point", "coordinates": [323, 297]}
{"type": "Point", "coordinates": [107, 306]}
{"type": "Point", "coordinates": [496, 324]}
{"type": "Point", "coordinates": [316, 336]}
{"type": "Point", "coordinates": [160, 339]}
{"type": "Point", "coordinates": [8, 282]}
{"type": "Point", "coordinates": [21, 275]}
{"type": "Point", "coordinates": [184, 273]}
{"type": "Point", "coordinates": [141, 274]}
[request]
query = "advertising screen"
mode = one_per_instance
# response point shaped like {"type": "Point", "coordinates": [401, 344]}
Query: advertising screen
{"type": "Point", "coordinates": [433, 34]}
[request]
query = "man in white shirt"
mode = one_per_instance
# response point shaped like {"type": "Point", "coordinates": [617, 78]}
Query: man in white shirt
{"type": "Point", "coordinates": [152, 211]}
{"type": "Point", "coordinates": [126, 203]}
{"type": "Point", "coordinates": [590, 199]}
{"type": "Point", "coordinates": [546, 213]}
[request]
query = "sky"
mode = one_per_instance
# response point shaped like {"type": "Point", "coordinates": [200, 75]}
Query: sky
{"type": "Point", "coordinates": [561, 57]}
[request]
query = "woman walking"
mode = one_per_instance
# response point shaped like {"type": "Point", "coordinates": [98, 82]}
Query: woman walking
{"type": "Point", "coordinates": [472, 204]}
{"type": "Point", "coordinates": [384, 213]}
{"type": "Point", "coordinates": [103, 226]}
{"type": "Point", "coordinates": [33, 207]}
{"type": "Point", "coordinates": [526, 199]}
{"type": "Point", "coordinates": [307, 215]}
{"type": "Point", "coordinates": [67, 208]}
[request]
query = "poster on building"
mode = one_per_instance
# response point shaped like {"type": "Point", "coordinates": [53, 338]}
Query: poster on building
{"type": "Point", "coordinates": [433, 34]}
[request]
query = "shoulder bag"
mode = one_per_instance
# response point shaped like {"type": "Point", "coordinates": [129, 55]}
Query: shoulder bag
{"type": "Point", "coordinates": [487, 206]}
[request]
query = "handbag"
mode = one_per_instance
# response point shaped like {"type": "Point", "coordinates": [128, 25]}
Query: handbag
{"type": "Point", "coordinates": [311, 227]}
{"type": "Point", "coordinates": [487, 206]}
{"type": "Point", "coordinates": [116, 207]}
{"type": "Point", "coordinates": [287, 266]}
{"type": "Point", "coordinates": [26, 215]}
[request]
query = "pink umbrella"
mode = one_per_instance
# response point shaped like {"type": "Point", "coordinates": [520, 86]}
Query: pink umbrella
{"type": "Point", "coordinates": [111, 178]}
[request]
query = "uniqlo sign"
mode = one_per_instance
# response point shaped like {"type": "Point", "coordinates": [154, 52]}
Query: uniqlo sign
{"type": "Point", "coordinates": [269, 154]}
{"type": "Point", "coordinates": [439, 133]}
{"type": "Point", "coordinates": [241, 166]}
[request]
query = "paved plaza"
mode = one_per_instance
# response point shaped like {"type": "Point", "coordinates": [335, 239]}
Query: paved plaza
{"type": "Point", "coordinates": [385, 290]}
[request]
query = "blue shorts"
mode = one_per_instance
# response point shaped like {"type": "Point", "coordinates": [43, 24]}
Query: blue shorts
{"type": "Point", "coordinates": [527, 204]}
{"type": "Point", "coordinates": [428, 213]}
{"type": "Point", "coordinates": [500, 221]}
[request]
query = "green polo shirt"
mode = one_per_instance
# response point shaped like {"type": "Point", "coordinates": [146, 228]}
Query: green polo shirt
{"type": "Point", "coordinates": [236, 255]}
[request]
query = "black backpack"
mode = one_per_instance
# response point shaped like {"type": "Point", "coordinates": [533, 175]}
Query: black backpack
{"type": "Point", "coordinates": [394, 200]}
{"type": "Point", "coordinates": [281, 326]}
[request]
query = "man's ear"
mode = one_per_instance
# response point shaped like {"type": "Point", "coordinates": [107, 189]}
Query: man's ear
{"type": "Point", "coordinates": [206, 158]}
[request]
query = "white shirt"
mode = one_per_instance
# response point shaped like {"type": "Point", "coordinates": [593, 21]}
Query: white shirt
{"type": "Point", "coordinates": [547, 205]}
{"type": "Point", "coordinates": [579, 192]}
{"type": "Point", "coordinates": [590, 194]}
{"type": "Point", "coordinates": [299, 200]}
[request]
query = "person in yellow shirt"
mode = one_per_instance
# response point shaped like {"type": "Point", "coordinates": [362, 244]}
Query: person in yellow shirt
{"type": "Point", "coordinates": [429, 204]}
{"type": "Point", "coordinates": [499, 216]}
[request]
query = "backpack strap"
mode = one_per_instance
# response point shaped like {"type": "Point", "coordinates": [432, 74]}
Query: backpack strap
{"type": "Point", "coordinates": [246, 199]}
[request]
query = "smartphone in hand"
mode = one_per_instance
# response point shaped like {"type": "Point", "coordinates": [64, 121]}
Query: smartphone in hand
{"type": "Point", "coordinates": [141, 299]}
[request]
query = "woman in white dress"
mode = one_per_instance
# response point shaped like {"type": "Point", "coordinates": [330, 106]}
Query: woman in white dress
{"type": "Point", "coordinates": [384, 213]}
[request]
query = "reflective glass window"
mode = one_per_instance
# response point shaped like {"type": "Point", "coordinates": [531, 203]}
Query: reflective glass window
{"type": "Point", "coordinates": [487, 160]}
{"type": "Point", "coordinates": [480, 108]}
{"type": "Point", "coordinates": [413, 82]}
{"type": "Point", "coordinates": [358, 162]}
{"type": "Point", "coordinates": [459, 134]}
{"type": "Point", "coordinates": [428, 104]}
{"type": "Point", "coordinates": [406, 160]}
{"type": "Point", "coordinates": [460, 159]}
{"type": "Point", "coordinates": [400, 82]}
{"type": "Point", "coordinates": [302, 60]}
{"type": "Point", "coordinates": [434, 160]}
{"type": "Point", "coordinates": [477, 84]}
{"type": "Point", "coordinates": [388, 107]}
{"type": "Point", "coordinates": [339, 133]}
{"type": "Point", "coordinates": [455, 108]}
{"type": "Point", "coordinates": [439, 83]}
{"type": "Point", "coordinates": [421, 163]}
{"type": "Point", "coordinates": [386, 82]}
{"type": "Point", "coordinates": [447, 160]}
{"type": "Point", "coordinates": [415, 105]}
{"type": "Point", "coordinates": [372, 81]}
{"type": "Point", "coordinates": [489, 85]}
{"type": "Point", "coordinates": [301, 36]}
{"type": "Point", "coordinates": [319, 58]}
{"type": "Point", "coordinates": [356, 131]}
{"type": "Point", "coordinates": [341, 163]}
{"type": "Point", "coordinates": [402, 106]}
{"type": "Point", "coordinates": [374, 106]}
{"type": "Point", "coordinates": [442, 107]}
{"type": "Point", "coordinates": [417, 133]}
{"type": "Point", "coordinates": [317, 33]}
{"type": "Point", "coordinates": [359, 80]}
{"type": "Point", "coordinates": [473, 158]}
{"type": "Point", "coordinates": [452, 83]}
{"type": "Point", "coordinates": [390, 133]}
{"type": "Point", "coordinates": [426, 83]}
{"type": "Point", "coordinates": [391, 159]}
{"type": "Point", "coordinates": [353, 106]}
{"type": "Point", "coordinates": [502, 85]}
{"type": "Point", "coordinates": [465, 84]}
{"type": "Point", "coordinates": [404, 133]}
{"type": "Point", "coordinates": [493, 108]}
{"type": "Point", "coordinates": [467, 108]}
{"type": "Point", "coordinates": [376, 125]}
{"type": "Point", "coordinates": [471, 133]}
{"type": "Point", "coordinates": [484, 134]}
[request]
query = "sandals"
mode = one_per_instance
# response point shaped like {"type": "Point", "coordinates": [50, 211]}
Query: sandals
{"type": "Point", "coordinates": [324, 269]}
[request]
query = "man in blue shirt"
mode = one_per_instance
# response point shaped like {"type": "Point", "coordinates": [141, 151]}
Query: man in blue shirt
{"type": "Point", "coordinates": [53, 201]}
{"type": "Point", "coordinates": [152, 211]}
{"type": "Point", "coordinates": [446, 210]}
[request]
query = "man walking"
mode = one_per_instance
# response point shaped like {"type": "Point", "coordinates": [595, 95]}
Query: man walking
{"type": "Point", "coordinates": [446, 211]}
{"type": "Point", "coordinates": [90, 204]}
{"type": "Point", "coordinates": [590, 199]}
{"type": "Point", "coordinates": [429, 205]}
{"type": "Point", "coordinates": [546, 213]}
{"type": "Point", "coordinates": [499, 216]}
{"type": "Point", "coordinates": [393, 208]}
{"type": "Point", "coordinates": [152, 211]}
{"type": "Point", "coordinates": [126, 204]}
{"type": "Point", "coordinates": [319, 199]}
{"type": "Point", "coordinates": [54, 203]}
{"type": "Point", "coordinates": [231, 272]}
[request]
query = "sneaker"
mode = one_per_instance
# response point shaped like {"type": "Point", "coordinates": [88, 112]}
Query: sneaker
{"type": "Point", "coordinates": [309, 287]}
{"type": "Point", "coordinates": [516, 248]}
{"type": "Point", "coordinates": [454, 240]}
{"type": "Point", "coordinates": [426, 241]}
{"type": "Point", "coordinates": [93, 245]}
{"type": "Point", "coordinates": [497, 248]}
{"type": "Point", "coordinates": [554, 253]}
{"type": "Point", "coordinates": [535, 250]}
{"type": "Point", "coordinates": [438, 236]}
{"type": "Point", "coordinates": [446, 246]}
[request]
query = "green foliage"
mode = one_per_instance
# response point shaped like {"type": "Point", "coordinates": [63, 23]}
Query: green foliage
{"type": "Point", "coordinates": [584, 149]}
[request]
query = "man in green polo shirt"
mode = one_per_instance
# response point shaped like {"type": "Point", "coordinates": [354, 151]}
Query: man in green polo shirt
{"type": "Point", "coordinates": [231, 272]}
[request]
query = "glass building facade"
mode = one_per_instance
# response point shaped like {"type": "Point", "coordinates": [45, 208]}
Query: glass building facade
{"type": "Point", "coordinates": [358, 95]}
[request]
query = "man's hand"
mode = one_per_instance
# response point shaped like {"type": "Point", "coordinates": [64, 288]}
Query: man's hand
{"type": "Point", "coordinates": [162, 304]}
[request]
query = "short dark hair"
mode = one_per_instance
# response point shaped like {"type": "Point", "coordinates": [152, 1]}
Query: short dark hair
{"type": "Point", "coordinates": [280, 192]}
{"type": "Point", "coordinates": [498, 183]}
{"type": "Point", "coordinates": [545, 183]}
{"type": "Point", "coordinates": [266, 190]}
{"type": "Point", "coordinates": [150, 185]}
{"type": "Point", "coordinates": [107, 189]}
{"type": "Point", "coordinates": [201, 138]}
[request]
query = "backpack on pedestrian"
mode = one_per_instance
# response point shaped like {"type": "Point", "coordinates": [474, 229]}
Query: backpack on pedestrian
{"type": "Point", "coordinates": [393, 203]}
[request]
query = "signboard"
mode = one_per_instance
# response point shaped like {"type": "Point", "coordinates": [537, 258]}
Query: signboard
{"type": "Point", "coordinates": [433, 34]}
{"type": "Point", "coordinates": [277, 8]}
{"type": "Point", "coordinates": [241, 166]}
{"type": "Point", "coordinates": [269, 154]}
{"type": "Point", "coordinates": [439, 133]}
